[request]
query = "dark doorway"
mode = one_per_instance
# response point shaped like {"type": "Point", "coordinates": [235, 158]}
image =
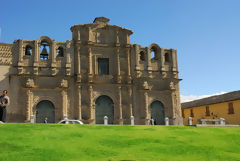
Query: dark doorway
{"type": "Point", "coordinates": [157, 113]}
{"type": "Point", "coordinates": [45, 109]}
{"type": "Point", "coordinates": [104, 107]}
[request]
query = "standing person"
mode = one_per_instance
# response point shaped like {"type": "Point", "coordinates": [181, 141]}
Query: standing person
{"type": "Point", "coordinates": [4, 102]}
{"type": "Point", "coordinates": [45, 121]}
{"type": "Point", "coordinates": [151, 121]}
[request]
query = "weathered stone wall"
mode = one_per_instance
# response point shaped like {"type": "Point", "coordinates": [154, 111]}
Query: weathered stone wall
{"type": "Point", "coordinates": [72, 83]}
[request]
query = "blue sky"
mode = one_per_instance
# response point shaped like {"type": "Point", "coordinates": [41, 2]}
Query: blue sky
{"type": "Point", "coordinates": [206, 33]}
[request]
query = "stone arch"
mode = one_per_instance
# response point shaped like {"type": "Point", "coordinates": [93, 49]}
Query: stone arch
{"type": "Point", "coordinates": [104, 106]}
{"type": "Point", "coordinates": [45, 43]}
{"type": "Point", "coordinates": [42, 98]}
{"type": "Point", "coordinates": [60, 51]}
{"type": "Point", "coordinates": [142, 55]}
{"type": "Point", "coordinates": [45, 38]}
{"type": "Point", "coordinates": [155, 48]}
{"type": "Point", "coordinates": [28, 49]}
{"type": "Point", "coordinates": [45, 109]}
{"type": "Point", "coordinates": [157, 112]}
{"type": "Point", "coordinates": [107, 93]}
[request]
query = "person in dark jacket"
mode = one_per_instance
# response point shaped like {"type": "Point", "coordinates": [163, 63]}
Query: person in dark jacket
{"type": "Point", "coordinates": [4, 102]}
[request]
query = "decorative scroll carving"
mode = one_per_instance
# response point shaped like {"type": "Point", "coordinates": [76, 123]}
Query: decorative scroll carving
{"type": "Point", "coordinates": [30, 83]}
{"type": "Point", "coordinates": [64, 83]}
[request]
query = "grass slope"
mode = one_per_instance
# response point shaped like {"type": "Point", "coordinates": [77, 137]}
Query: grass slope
{"type": "Point", "coordinates": [40, 142]}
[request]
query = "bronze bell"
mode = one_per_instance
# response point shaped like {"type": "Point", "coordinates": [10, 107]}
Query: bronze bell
{"type": "Point", "coordinates": [44, 54]}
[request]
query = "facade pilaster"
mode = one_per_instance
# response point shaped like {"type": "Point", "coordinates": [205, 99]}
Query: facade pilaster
{"type": "Point", "coordinates": [129, 78]}
{"type": "Point", "coordinates": [119, 78]}
{"type": "Point", "coordinates": [20, 57]}
{"type": "Point", "coordinates": [64, 103]}
{"type": "Point", "coordinates": [78, 64]}
{"type": "Point", "coordinates": [90, 90]}
{"type": "Point", "coordinates": [36, 57]}
{"type": "Point", "coordinates": [120, 105]}
{"type": "Point", "coordinates": [149, 64]}
{"type": "Point", "coordinates": [79, 102]}
{"type": "Point", "coordinates": [130, 101]}
{"type": "Point", "coordinates": [29, 111]}
{"type": "Point", "coordinates": [90, 67]}
{"type": "Point", "coordinates": [146, 108]}
{"type": "Point", "coordinates": [20, 47]}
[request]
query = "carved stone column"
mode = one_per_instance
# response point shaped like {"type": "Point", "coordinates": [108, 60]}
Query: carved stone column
{"type": "Point", "coordinates": [130, 102]}
{"type": "Point", "coordinates": [36, 57]}
{"type": "Point", "coordinates": [119, 78]}
{"type": "Point", "coordinates": [20, 57]}
{"type": "Point", "coordinates": [174, 62]}
{"type": "Point", "coordinates": [91, 117]}
{"type": "Point", "coordinates": [129, 78]}
{"type": "Point", "coordinates": [20, 47]}
{"type": "Point", "coordinates": [90, 73]}
{"type": "Point", "coordinates": [29, 103]}
{"type": "Point", "coordinates": [79, 102]}
{"type": "Point", "coordinates": [137, 68]}
{"type": "Point", "coordinates": [149, 64]}
{"type": "Point", "coordinates": [68, 64]}
{"type": "Point", "coordinates": [146, 108]}
{"type": "Point", "coordinates": [64, 103]}
{"type": "Point", "coordinates": [164, 73]}
{"type": "Point", "coordinates": [53, 57]}
{"type": "Point", "coordinates": [120, 105]}
{"type": "Point", "coordinates": [78, 55]}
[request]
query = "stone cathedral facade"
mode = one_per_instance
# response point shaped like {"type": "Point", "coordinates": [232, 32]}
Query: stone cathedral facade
{"type": "Point", "coordinates": [98, 73]}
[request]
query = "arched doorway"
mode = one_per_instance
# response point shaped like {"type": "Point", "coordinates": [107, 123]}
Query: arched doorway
{"type": "Point", "coordinates": [45, 109]}
{"type": "Point", "coordinates": [104, 107]}
{"type": "Point", "coordinates": [157, 113]}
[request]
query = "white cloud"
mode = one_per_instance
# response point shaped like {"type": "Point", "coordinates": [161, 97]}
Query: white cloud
{"type": "Point", "coordinates": [194, 97]}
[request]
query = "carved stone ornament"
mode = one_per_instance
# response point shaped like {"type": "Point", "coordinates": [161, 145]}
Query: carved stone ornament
{"type": "Point", "coordinates": [172, 86]}
{"type": "Point", "coordinates": [64, 83]}
{"type": "Point", "coordinates": [145, 85]}
{"type": "Point", "coordinates": [30, 83]}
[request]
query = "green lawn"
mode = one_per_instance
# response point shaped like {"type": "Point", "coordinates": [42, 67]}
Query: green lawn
{"type": "Point", "coordinates": [40, 142]}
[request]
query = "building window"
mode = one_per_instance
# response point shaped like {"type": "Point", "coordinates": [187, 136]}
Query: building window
{"type": "Point", "coordinates": [28, 50]}
{"type": "Point", "coordinates": [207, 111]}
{"type": "Point", "coordinates": [167, 58]}
{"type": "Point", "coordinates": [192, 114]}
{"type": "Point", "coordinates": [60, 51]}
{"type": "Point", "coordinates": [183, 114]}
{"type": "Point", "coordinates": [153, 53]}
{"type": "Point", "coordinates": [230, 108]}
{"type": "Point", "coordinates": [142, 56]}
{"type": "Point", "coordinates": [45, 49]}
{"type": "Point", "coordinates": [103, 66]}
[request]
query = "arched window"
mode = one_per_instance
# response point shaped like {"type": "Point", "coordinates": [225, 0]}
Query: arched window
{"type": "Point", "coordinates": [28, 50]}
{"type": "Point", "coordinates": [167, 58]}
{"type": "Point", "coordinates": [153, 53]}
{"type": "Point", "coordinates": [142, 56]}
{"type": "Point", "coordinates": [45, 50]}
{"type": "Point", "coordinates": [60, 51]}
